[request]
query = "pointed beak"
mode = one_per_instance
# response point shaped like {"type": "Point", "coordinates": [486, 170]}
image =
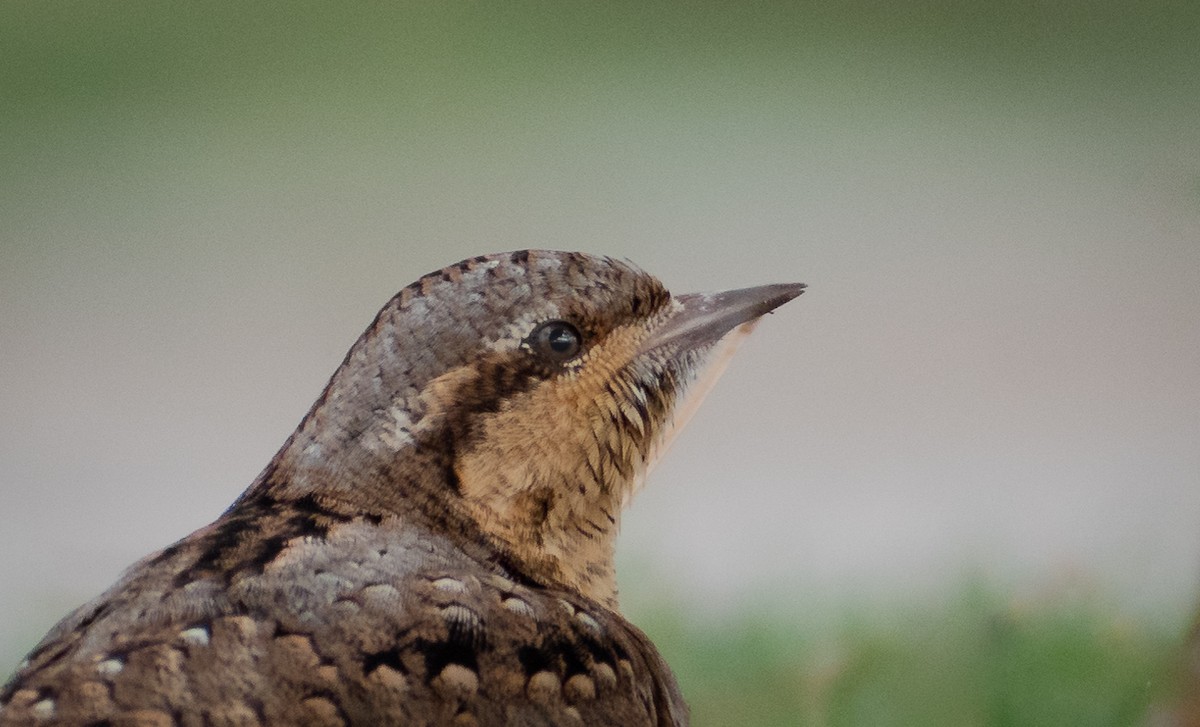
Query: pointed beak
{"type": "Point", "coordinates": [703, 318]}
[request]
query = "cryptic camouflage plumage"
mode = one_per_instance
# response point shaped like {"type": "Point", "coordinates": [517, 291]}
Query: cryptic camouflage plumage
{"type": "Point", "coordinates": [434, 543]}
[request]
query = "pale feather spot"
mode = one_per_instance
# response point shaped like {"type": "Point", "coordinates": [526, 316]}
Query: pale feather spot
{"type": "Point", "coordinates": [417, 306]}
{"type": "Point", "coordinates": [381, 594]}
{"type": "Point", "coordinates": [544, 263]}
{"type": "Point", "coordinates": [110, 667]}
{"type": "Point", "coordinates": [500, 582]}
{"type": "Point", "coordinates": [456, 682]}
{"type": "Point", "coordinates": [298, 649]}
{"type": "Point", "coordinates": [543, 687]}
{"type": "Point", "coordinates": [242, 628]}
{"type": "Point", "coordinates": [511, 336]}
{"type": "Point", "coordinates": [567, 606]}
{"type": "Point", "coordinates": [43, 710]}
{"type": "Point", "coordinates": [389, 679]}
{"type": "Point", "coordinates": [590, 623]}
{"type": "Point", "coordinates": [605, 675]}
{"type": "Point", "coordinates": [195, 636]}
{"type": "Point", "coordinates": [519, 606]}
{"type": "Point", "coordinates": [396, 432]}
{"type": "Point", "coordinates": [579, 688]}
{"type": "Point", "coordinates": [450, 585]}
{"type": "Point", "coordinates": [322, 712]}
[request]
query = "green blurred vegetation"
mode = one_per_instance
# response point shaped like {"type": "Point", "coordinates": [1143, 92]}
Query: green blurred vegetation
{"type": "Point", "coordinates": [94, 79]}
{"type": "Point", "coordinates": [977, 659]}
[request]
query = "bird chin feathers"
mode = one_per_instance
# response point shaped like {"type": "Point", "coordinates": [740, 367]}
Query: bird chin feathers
{"type": "Point", "coordinates": [705, 372]}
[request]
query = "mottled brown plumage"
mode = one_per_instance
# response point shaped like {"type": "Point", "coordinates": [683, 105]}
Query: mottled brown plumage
{"type": "Point", "coordinates": [434, 543]}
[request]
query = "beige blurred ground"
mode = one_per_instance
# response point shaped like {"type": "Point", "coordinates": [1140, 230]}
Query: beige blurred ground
{"type": "Point", "coordinates": [994, 370]}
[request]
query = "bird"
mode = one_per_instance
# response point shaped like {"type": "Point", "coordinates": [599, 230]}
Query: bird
{"type": "Point", "coordinates": [433, 545]}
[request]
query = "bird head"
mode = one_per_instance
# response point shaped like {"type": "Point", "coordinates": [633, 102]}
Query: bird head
{"type": "Point", "coordinates": [517, 399]}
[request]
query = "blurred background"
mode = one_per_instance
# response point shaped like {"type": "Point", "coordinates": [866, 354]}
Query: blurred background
{"type": "Point", "coordinates": [957, 482]}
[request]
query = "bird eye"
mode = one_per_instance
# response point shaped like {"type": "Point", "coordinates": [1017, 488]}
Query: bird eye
{"type": "Point", "coordinates": [556, 340]}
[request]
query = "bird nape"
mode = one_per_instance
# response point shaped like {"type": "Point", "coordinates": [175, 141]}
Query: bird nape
{"type": "Point", "coordinates": [434, 543]}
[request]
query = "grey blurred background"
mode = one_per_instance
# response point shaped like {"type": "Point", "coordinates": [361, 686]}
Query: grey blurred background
{"type": "Point", "coordinates": [996, 207]}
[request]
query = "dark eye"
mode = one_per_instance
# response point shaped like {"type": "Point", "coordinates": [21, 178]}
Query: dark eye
{"type": "Point", "coordinates": [556, 340]}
